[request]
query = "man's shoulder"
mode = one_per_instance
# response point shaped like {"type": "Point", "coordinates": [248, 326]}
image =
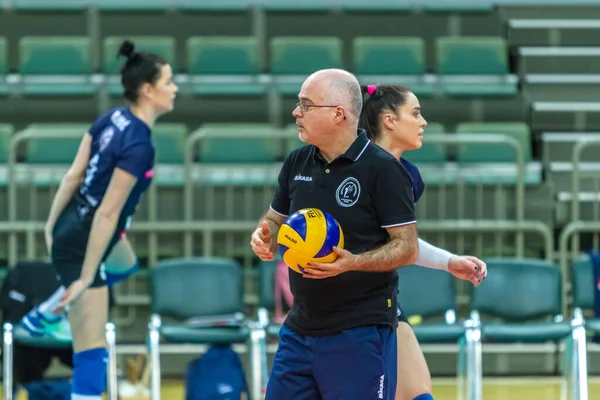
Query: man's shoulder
{"type": "Point", "coordinates": [375, 151]}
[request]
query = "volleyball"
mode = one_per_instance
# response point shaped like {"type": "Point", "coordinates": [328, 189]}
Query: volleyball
{"type": "Point", "coordinates": [309, 235]}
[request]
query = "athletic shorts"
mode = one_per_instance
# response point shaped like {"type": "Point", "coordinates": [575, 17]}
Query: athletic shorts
{"type": "Point", "coordinates": [355, 364]}
{"type": "Point", "coordinates": [69, 244]}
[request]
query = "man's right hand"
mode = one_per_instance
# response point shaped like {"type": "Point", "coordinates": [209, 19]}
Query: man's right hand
{"type": "Point", "coordinates": [261, 242]}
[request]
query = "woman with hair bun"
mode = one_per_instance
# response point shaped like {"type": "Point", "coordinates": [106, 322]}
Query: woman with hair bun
{"type": "Point", "coordinates": [91, 212]}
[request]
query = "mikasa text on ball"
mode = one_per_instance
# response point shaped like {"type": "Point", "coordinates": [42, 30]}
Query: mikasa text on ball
{"type": "Point", "coordinates": [309, 235]}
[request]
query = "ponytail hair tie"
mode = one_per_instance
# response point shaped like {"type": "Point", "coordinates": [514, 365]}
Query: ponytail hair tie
{"type": "Point", "coordinates": [371, 89]}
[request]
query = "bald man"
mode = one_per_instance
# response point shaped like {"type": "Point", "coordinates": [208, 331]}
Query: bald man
{"type": "Point", "coordinates": [338, 341]}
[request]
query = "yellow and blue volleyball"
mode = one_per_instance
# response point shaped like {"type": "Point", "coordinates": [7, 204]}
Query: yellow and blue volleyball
{"type": "Point", "coordinates": [309, 235]}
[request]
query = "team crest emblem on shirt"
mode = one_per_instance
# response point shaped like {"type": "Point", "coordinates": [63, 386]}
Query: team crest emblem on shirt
{"type": "Point", "coordinates": [348, 192]}
{"type": "Point", "coordinates": [105, 138]}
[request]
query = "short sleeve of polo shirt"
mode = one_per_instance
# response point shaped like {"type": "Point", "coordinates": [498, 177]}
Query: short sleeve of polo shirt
{"type": "Point", "coordinates": [393, 196]}
{"type": "Point", "coordinates": [281, 199]}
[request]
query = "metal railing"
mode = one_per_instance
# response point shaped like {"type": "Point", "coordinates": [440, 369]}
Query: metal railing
{"type": "Point", "coordinates": [229, 235]}
{"type": "Point", "coordinates": [577, 174]}
{"type": "Point", "coordinates": [567, 257]}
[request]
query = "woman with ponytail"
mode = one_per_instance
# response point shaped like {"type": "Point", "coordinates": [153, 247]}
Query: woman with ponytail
{"type": "Point", "coordinates": [92, 210]}
{"type": "Point", "coordinates": [392, 117]}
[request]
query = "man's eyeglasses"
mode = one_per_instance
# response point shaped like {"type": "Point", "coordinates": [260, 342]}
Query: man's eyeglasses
{"type": "Point", "coordinates": [305, 107]}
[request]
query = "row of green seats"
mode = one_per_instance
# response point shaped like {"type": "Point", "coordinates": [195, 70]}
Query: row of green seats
{"type": "Point", "coordinates": [61, 55]}
{"type": "Point", "coordinates": [170, 140]}
{"type": "Point", "coordinates": [236, 5]}
{"type": "Point", "coordinates": [476, 152]}
{"type": "Point", "coordinates": [261, 143]}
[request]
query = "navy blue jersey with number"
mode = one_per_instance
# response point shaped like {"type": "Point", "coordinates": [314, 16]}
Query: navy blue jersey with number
{"type": "Point", "coordinates": [418, 186]}
{"type": "Point", "coordinates": [119, 140]}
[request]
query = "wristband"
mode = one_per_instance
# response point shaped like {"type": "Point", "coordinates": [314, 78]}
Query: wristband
{"type": "Point", "coordinates": [433, 257]}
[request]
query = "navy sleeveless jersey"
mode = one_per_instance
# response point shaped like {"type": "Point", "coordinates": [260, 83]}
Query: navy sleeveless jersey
{"type": "Point", "coordinates": [418, 186]}
{"type": "Point", "coordinates": [119, 140]}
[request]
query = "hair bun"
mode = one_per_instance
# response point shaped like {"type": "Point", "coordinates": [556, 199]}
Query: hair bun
{"type": "Point", "coordinates": [126, 49]}
{"type": "Point", "coordinates": [371, 90]}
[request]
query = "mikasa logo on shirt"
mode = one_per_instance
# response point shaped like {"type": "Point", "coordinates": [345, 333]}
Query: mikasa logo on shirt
{"type": "Point", "coordinates": [303, 178]}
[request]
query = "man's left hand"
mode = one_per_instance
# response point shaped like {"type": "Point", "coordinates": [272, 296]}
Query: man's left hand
{"type": "Point", "coordinates": [345, 262]}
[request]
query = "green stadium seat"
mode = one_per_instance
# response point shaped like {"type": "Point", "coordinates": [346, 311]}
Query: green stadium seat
{"type": "Point", "coordinates": [134, 5]}
{"type": "Point", "coordinates": [429, 152]}
{"type": "Point", "coordinates": [56, 65]}
{"type": "Point", "coordinates": [535, 288]}
{"type": "Point", "coordinates": [429, 293]}
{"type": "Point", "coordinates": [223, 143]}
{"type": "Point", "coordinates": [583, 290]}
{"type": "Point", "coordinates": [494, 153]}
{"type": "Point", "coordinates": [474, 66]}
{"type": "Point", "coordinates": [45, 5]}
{"type": "Point", "coordinates": [458, 6]}
{"type": "Point", "coordinates": [6, 132]}
{"type": "Point", "coordinates": [507, 251]}
{"type": "Point", "coordinates": [295, 6]}
{"type": "Point", "coordinates": [3, 64]}
{"type": "Point", "coordinates": [169, 140]}
{"type": "Point", "coordinates": [300, 57]}
{"type": "Point", "coordinates": [266, 294]}
{"type": "Point", "coordinates": [3, 56]}
{"type": "Point", "coordinates": [304, 55]}
{"type": "Point", "coordinates": [163, 46]}
{"type": "Point", "coordinates": [378, 6]}
{"type": "Point", "coordinates": [393, 58]}
{"type": "Point", "coordinates": [201, 290]}
{"type": "Point", "coordinates": [226, 65]}
{"type": "Point", "coordinates": [389, 56]}
{"type": "Point", "coordinates": [53, 150]}
{"type": "Point", "coordinates": [471, 55]}
{"type": "Point", "coordinates": [227, 6]}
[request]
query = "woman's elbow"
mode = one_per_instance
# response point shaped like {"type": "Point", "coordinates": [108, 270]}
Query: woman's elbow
{"type": "Point", "coordinates": [107, 215]}
{"type": "Point", "coordinates": [73, 177]}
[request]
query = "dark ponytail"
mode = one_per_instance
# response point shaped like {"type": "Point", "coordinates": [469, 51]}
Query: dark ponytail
{"type": "Point", "coordinates": [139, 68]}
{"type": "Point", "coordinates": [378, 98]}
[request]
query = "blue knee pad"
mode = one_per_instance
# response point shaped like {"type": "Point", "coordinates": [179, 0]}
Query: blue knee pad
{"type": "Point", "coordinates": [89, 373]}
{"type": "Point", "coordinates": [112, 278]}
{"type": "Point", "coordinates": [424, 397]}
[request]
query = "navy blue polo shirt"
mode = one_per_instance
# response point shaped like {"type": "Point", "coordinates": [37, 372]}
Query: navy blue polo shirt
{"type": "Point", "coordinates": [119, 140]}
{"type": "Point", "coordinates": [367, 190]}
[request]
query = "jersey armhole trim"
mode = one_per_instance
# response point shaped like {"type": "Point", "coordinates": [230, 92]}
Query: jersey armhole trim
{"type": "Point", "coordinates": [277, 212]}
{"type": "Point", "coordinates": [402, 224]}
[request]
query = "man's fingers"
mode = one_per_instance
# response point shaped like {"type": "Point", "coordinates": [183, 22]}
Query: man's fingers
{"type": "Point", "coordinates": [262, 252]}
{"type": "Point", "coordinates": [258, 242]}
{"type": "Point", "coordinates": [265, 229]}
{"type": "Point", "coordinates": [314, 273]}
{"type": "Point", "coordinates": [260, 239]}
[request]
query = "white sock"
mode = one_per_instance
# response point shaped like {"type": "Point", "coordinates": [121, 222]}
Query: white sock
{"type": "Point", "coordinates": [47, 306]}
